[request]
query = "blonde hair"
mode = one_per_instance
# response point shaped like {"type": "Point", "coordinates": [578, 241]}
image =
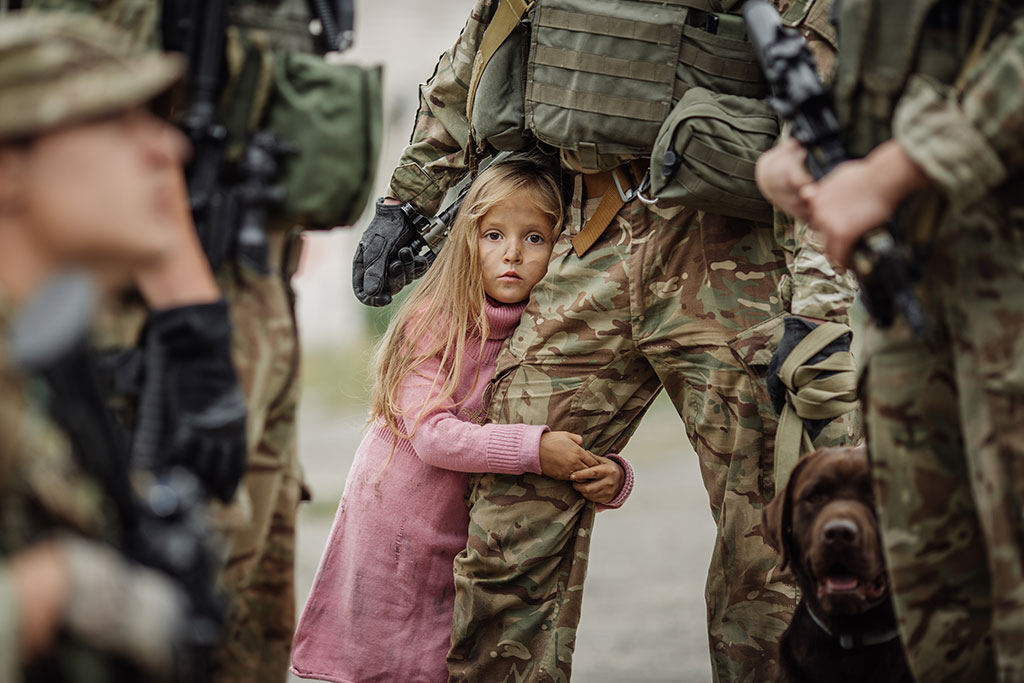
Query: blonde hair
{"type": "Point", "coordinates": [447, 309]}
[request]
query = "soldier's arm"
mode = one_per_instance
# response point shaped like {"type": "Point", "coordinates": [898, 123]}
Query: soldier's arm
{"type": "Point", "coordinates": [815, 288]}
{"type": "Point", "coordinates": [967, 144]}
{"type": "Point", "coordinates": [434, 160]}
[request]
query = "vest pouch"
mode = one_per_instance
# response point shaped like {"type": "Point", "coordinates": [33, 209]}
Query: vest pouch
{"type": "Point", "coordinates": [705, 152]}
{"type": "Point", "coordinates": [499, 116]}
{"type": "Point", "coordinates": [723, 61]}
{"type": "Point", "coordinates": [601, 74]}
{"type": "Point", "coordinates": [331, 114]}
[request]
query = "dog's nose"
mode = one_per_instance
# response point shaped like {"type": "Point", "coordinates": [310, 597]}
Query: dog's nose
{"type": "Point", "coordinates": [840, 531]}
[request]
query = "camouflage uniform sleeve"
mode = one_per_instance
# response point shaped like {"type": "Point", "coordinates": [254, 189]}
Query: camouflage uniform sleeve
{"type": "Point", "coordinates": [434, 159]}
{"type": "Point", "coordinates": [969, 144]}
{"type": "Point", "coordinates": [814, 288]}
{"type": "Point", "coordinates": [9, 656]}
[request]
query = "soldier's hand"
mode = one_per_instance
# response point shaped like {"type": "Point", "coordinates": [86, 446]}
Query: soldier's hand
{"type": "Point", "coordinates": [204, 409]}
{"type": "Point", "coordinates": [124, 608]}
{"type": "Point", "coordinates": [388, 256]}
{"type": "Point", "coordinates": [781, 173]}
{"type": "Point", "coordinates": [562, 453]}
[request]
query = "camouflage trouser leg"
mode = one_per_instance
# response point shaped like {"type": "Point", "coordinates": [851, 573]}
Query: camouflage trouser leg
{"type": "Point", "coordinates": [946, 424]}
{"type": "Point", "coordinates": [259, 575]}
{"type": "Point", "coordinates": [659, 300]}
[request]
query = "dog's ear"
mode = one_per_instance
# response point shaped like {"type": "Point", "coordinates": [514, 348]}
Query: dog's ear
{"type": "Point", "coordinates": [777, 516]}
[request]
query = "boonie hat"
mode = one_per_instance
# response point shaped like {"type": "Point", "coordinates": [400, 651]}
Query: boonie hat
{"type": "Point", "coordinates": [60, 68]}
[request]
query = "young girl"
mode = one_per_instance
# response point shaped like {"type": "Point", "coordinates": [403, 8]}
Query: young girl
{"type": "Point", "coordinates": [381, 605]}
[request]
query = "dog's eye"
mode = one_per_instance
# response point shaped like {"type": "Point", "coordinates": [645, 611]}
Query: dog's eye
{"type": "Point", "coordinates": [816, 497]}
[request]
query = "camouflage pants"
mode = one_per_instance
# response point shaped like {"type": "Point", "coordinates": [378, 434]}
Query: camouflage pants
{"type": "Point", "coordinates": [945, 418]}
{"type": "Point", "coordinates": [664, 298]}
{"type": "Point", "coordinates": [260, 572]}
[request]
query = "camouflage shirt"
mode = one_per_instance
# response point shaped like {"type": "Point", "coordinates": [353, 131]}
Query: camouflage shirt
{"type": "Point", "coordinates": [435, 159]}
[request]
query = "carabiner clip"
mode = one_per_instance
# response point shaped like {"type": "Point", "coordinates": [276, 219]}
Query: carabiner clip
{"type": "Point", "coordinates": [645, 183]}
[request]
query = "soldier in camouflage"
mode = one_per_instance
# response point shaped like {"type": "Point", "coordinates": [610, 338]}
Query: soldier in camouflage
{"type": "Point", "coordinates": [86, 181]}
{"type": "Point", "coordinates": [666, 297]}
{"type": "Point", "coordinates": [941, 144]}
{"type": "Point", "coordinates": [259, 522]}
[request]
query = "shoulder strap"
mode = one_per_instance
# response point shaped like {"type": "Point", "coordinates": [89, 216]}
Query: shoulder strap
{"type": "Point", "coordinates": [506, 18]}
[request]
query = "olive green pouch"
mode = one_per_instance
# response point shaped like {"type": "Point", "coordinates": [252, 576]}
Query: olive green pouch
{"type": "Point", "coordinates": [705, 152]}
{"type": "Point", "coordinates": [331, 115]}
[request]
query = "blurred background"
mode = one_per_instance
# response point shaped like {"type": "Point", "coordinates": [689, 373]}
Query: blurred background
{"type": "Point", "coordinates": [644, 614]}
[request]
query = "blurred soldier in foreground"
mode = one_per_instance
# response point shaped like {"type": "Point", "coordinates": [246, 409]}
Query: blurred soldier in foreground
{"type": "Point", "coordinates": [935, 128]}
{"type": "Point", "coordinates": [87, 181]}
{"type": "Point", "coordinates": [282, 140]}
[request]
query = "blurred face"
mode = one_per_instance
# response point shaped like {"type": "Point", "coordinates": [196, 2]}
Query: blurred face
{"type": "Point", "coordinates": [106, 192]}
{"type": "Point", "coordinates": [515, 244]}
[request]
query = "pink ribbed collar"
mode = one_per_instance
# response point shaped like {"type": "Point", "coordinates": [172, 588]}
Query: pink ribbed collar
{"type": "Point", "coordinates": [503, 318]}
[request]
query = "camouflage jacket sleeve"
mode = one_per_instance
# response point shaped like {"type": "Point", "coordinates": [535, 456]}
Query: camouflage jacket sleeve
{"type": "Point", "coordinates": [434, 159]}
{"type": "Point", "coordinates": [969, 142]}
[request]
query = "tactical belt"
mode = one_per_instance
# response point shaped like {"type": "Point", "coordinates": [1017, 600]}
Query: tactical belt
{"type": "Point", "coordinates": [615, 188]}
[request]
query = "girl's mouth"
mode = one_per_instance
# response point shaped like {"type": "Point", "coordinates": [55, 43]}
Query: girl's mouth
{"type": "Point", "coordinates": [510, 276]}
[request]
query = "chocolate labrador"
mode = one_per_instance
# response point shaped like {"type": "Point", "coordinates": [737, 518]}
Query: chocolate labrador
{"type": "Point", "coordinates": [824, 527]}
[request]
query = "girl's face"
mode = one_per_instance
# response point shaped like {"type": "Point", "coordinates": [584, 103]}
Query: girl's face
{"type": "Point", "coordinates": [515, 243]}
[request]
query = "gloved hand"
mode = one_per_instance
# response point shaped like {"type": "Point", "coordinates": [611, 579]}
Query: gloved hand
{"type": "Point", "coordinates": [203, 416]}
{"type": "Point", "coordinates": [796, 329]}
{"type": "Point", "coordinates": [124, 608]}
{"type": "Point", "coordinates": [387, 257]}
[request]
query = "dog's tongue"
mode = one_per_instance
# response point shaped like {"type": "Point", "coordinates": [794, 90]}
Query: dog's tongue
{"type": "Point", "coordinates": [836, 584]}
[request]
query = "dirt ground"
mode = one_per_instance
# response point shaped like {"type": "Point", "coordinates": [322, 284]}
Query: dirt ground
{"type": "Point", "coordinates": [643, 614]}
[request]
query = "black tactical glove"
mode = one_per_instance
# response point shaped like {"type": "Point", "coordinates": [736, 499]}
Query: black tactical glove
{"type": "Point", "coordinates": [796, 329]}
{"type": "Point", "coordinates": [387, 257]}
{"type": "Point", "coordinates": [202, 418]}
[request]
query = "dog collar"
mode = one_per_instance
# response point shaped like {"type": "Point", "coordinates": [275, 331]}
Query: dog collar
{"type": "Point", "coordinates": [851, 641]}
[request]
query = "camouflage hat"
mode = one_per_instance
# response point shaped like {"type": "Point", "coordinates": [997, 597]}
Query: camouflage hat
{"type": "Point", "coordinates": [58, 68]}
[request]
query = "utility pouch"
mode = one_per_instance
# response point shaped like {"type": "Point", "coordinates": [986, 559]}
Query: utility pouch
{"type": "Point", "coordinates": [601, 74]}
{"type": "Point", "coordinates": [331, 115]}
{"type": "Point", "coordinates": [715, 54]}
{"type": "Point", "coordinates": [498, 116]}
{"type": "Point", "coordinates": [705, 153]}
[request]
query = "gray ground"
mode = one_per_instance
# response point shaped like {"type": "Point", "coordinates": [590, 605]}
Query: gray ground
{"type": "Point", "coordinates": [643, 616]}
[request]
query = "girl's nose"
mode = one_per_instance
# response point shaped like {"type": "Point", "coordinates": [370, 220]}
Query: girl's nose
{"type": "Point", "coordinates": [512, 253]}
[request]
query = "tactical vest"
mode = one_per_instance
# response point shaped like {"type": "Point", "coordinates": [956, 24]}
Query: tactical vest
{"type": "Point", "coordinates": [613, 80]}
{"type": "Point", "coordinates": [882, 43]}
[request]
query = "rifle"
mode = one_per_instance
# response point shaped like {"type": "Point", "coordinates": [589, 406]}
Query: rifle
{"type": "Point", "coordinates": [163, 524]}
{"type": "Point", "coordinates": [881, 265]}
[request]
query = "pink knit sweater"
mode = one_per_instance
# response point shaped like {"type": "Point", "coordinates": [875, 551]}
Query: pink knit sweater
{"type": "Point", "coordinates": [381, 604]}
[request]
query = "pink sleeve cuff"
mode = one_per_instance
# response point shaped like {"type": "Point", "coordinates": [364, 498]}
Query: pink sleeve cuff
{"type": "Point", "coordinates": [627, 484]}
{"type": "Point", "coordinates": [514, 449]}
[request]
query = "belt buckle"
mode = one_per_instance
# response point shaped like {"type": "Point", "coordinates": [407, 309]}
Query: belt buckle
{"type": "Point", "coordinates": [625, 195]}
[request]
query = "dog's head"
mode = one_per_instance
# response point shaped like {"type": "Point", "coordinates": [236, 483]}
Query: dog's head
{"type": "Point", "coordinates": [823, 524]}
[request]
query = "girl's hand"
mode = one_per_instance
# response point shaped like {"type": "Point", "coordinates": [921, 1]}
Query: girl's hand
{"type": "Point", "coordinates": [781, 174]}
{"type": "Point", "coordinates": [600, 483]}
{"type": "Point", "coordinates": [562, 453]}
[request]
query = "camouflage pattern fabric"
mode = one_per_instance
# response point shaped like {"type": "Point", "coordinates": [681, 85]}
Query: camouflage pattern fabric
{"type": "Point", "coordinates": [666, 298]}
{"type": "Point", "coordinates": [946, 412]}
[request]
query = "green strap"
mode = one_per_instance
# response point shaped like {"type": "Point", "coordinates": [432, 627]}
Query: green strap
{"type": "Point", "coordinates": [719, 159]}
{"type": "Point", "coordinates": [663, 34]}
{"type": "Point", "coordinates": [598, 103]}
{"type": "Point", "coordinates": [809, 396]}
{"type": "Point", "coordinates": [575, 60]}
